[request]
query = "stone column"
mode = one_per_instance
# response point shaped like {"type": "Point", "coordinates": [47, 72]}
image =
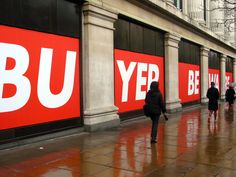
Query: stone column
{"type": "Point", "coordinates": [204, 73]}
{"type": "Point", "coordinates": [234, 70]}
{"type": "Point", "coordinates": [171, 72]}
{"type": "Point", "coordinates": [185, 7]}
{"type": "Point", "coordinates": [196, 10]}
{"type": "Point", "coordinates": [217, 17]}
{"type": "Point", "coordinates": [222, 76]}
{"type": "Point", "coordinates": [208, 13]}
{"type": "Point", "coordinates": [98, 68]}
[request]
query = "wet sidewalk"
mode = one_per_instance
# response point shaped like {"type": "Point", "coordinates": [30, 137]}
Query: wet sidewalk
{"type": "Point", "coordinates": [188, 145]}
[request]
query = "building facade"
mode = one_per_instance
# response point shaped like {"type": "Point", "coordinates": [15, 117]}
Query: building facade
{"type": "Point", "coordinates": [68, 64]}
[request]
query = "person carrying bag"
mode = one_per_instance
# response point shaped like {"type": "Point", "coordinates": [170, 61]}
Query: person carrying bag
{"type": "Point", "coordinates": [153, 108]}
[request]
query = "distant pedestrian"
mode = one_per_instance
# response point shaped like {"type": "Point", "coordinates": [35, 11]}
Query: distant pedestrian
{"type": "Point", "coordinates": [156, 105]}
{"type": "Point", "coordinates": [213, 95]}
{"type": "Point", "coordinates": [230, 96]}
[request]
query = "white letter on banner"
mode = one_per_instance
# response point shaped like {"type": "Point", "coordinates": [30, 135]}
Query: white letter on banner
{"type": "Point", "coordinates": [227, 78]}
{"type": "Point", "coordinates": [152, 68]}
{"type": "Point", "coordinates": [210, 79]}
{"type": "Point", "coordinates": [14, 76]}
{"type": "Point", "coordinates": [190, 82]}
{"type": "Point", "coordinates": [216, 79]}
{"type": "Point", "coordinates": [125, 76]}
{"type": "Point", "coordinates": [140, 95]}
{"type": "Point", "coordinates": [47, 98]}
{"type": "Point", "coordinates": [196, 90]}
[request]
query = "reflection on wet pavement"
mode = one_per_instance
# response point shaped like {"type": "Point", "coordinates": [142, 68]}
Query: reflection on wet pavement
{"type": "Point", "coordinates": [190, 144]}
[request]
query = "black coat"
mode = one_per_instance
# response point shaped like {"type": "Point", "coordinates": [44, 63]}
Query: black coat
{"type": "Point", "coordinates": [213, 95]}
{"type": "Point", "coordinates": [229, 95]}
{"type": "Point", "coordinates": [155, 102]}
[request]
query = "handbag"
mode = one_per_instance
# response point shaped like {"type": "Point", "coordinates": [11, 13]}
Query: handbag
{"type": "Point", "coordinates": [146, 110]}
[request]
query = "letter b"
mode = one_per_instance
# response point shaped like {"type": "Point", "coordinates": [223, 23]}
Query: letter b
{"type": "Point", "coordinates": [190, 82]}
{"type": "Point", "coordinates": [14, 76]}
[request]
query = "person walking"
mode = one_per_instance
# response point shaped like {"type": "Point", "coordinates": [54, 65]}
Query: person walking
{"type": "Point", "coordinates": [230, 96]}
{"type": "Point", "coordinates": [155, 104]}
{"type": "Point", "coordinates": [213, 96]}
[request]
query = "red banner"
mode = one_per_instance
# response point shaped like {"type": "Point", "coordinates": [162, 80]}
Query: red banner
{"type": "Point", "coordinates": [189, 82]}
{"type": "Point", "coordinates": [214, 76]}
{"type": "Point", "coordinates": [39, 77]}
{"type": "Point", "coordinates": [134, 73]}
{"type": "Point", "coordinates": [228, 79]}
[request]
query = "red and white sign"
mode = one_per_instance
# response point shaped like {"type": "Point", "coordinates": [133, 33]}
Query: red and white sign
{"type": "Point", "coordinates": [189, 82]}
{"type": "Point", "coordinates": [134, 73]}
{"type": "Point", "coordinates": [214, 76]}
{"type": "Point", "coordinates": [228, 79]}
{"type": "Point", "coordinates": [39, 77]}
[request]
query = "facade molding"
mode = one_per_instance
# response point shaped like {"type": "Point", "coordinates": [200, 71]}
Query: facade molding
{"type": "Point", "coordinates": [95, 15]}
{"type": "Point", "coordinates": [172, 40]}
{"type": "Point", "coordinates": [223, 57]}
{"type": "Point", "coordinates": [180, 19]}
{"type": "Point", "coordinates": [204, 51]}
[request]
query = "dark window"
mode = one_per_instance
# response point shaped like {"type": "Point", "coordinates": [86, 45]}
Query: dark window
{"type": "Point", "coordinates": [52, 16]}
{"type": "Point", "coordinates": [214, 60]}
{"type": "Point", "coordinates": [37, 15]}
{"type": "Point", "coordinates": [229, 64]}
{"type": "Point", "coordinates": [197, 55]}
{"type": "Point", "coordinates": [149, 43]}
{"type": "Point", "coordinates": [192, 54]}
{"type": "Point", "coordinates": [9, 12]}
{"type": "Point", "coordinates": [159, 44]}
{"type": "Point", "coordinates": [68, 21]}
{"type": "Point", "coordinates": [181, 48]}
{"type": "Point", "coordinates": [122, 34]}
{"type": "Point", "coordinates": [189, 52]}
{"type": "Point", "coordinates": [137, 37]}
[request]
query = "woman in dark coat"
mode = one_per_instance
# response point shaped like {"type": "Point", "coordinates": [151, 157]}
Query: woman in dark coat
{"type": "Point", "coordinates": [156, 106]}
{"type": "Point", "coordinates": [230, 96]}
{"type": "Point", "coordinates": [213, 96]}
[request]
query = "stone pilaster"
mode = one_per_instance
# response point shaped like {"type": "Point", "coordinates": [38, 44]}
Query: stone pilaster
{"type": "Point", "coordinates": [171, 72]}
{"type": "Point", "coordinates": [217, 17]}
{"type": "Point", "coordinates": [208, 13]}
{"type": "Point", "coordinates": [204, 73]}
{"type": "Point", "coordinates": [196, 10]}
{"type": "Point", "coordinates": [185, 7]}
{"type": "Point", "coordinates": [222, 76]}
{"type": "Point", "coordinates": [98, 68]}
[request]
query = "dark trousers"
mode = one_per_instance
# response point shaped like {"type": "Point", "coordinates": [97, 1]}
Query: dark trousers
{"type": "Point", "coordinates": [155, 119]}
